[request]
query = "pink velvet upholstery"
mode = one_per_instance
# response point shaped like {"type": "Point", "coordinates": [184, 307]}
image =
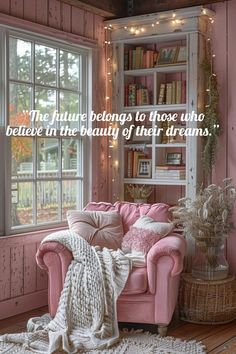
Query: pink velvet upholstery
{"type": "Point", "coordinates": [151, 292]}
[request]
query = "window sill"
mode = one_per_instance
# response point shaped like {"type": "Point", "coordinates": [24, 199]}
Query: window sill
{"type": "Point", "coordinates": [34, 233]}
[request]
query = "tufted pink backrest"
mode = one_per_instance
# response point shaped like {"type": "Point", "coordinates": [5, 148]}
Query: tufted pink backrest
{"type": "Point", "coordinates": [130, 212]}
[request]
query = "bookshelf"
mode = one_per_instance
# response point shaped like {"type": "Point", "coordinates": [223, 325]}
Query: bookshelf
{"type": "Point", "coordinates": [139, 76]}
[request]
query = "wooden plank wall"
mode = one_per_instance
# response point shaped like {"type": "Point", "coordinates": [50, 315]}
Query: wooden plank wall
{"type": "Point", "coordinates": [23, 286]}
{"type": "Point", "coordinates": [225, 49]}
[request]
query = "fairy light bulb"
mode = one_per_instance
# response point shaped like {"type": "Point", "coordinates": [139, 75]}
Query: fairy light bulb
{"type": "Point", "coordinates": [142, 29]}
{"type": "Point", "coordinates": [174, 15]}
{"type": "Point", "coordinates": [158, 22]}
{"type": "Point", "coordinates": [153, 24]}
{"type": "Point", "coordinates": [132, 29]}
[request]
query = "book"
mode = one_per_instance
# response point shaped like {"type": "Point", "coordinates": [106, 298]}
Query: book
{"type": "Point", "coordinates": [173, 92]}
{"type": "Point", "coordinates": [164, 178]}
{"type": "Point", "coordinates": [183, 91]}
{"type": "Point", "coordinates": [169, 93]}
{"type": "Point", "coordinates": [126, 59]}
{"type": "Point", "coordinates": [171, 167]}
{"type": "Point", "coordinates": [178, 92]}
{"type": "Point", "coordinates": [161, 97]}
{"type": "Point", "coordinates": [130, 163]}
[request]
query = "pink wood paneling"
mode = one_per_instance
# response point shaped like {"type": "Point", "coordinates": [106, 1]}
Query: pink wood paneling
{"type": "Point", "coordinates": [5, 6]}
{"type": "Point", "coordinates": [17, 8]}
{"type": "Point", "coordinates": [22, 304]}
{"type": "Point", "coordinates": [54, 14]}
{"type": "Point", "coordinates": [17, 271]}
{"type": "Point", "coordinates": [225, 50]}
{"type": "Point", "coordinates": [41, 11]}
{"type": "Point", "coordinates": [5, 273]}
{"type": "Point", "coordinates": [219, 47]}
{"type": "Point", "coordinates": [77, 25]}
{"type": "Point", "coordinates": [30, 279]}
{"type": "Point", "coordinates": [30, 10]}
{"type": "Point", "coordinates": [65, 17]}
{"type": "Point", "coordinates": [23, 286]}
{"type": "Point", "coordinates": [88, 24]}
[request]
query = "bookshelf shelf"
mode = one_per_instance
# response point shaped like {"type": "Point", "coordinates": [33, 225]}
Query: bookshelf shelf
{"type": "Point", "coordinates": [159, 107]}
{"type": "Point", "coordinates": [159, 69]}
{"type": "Point", "coordinates": [151, 181]}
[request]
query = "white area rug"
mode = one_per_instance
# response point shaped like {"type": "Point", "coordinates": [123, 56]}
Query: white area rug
{"type": "Point", "coordinates": [138, 342]}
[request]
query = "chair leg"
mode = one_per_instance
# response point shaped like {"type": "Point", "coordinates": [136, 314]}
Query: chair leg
{"type": "Point", "coordinates": [162, 330]}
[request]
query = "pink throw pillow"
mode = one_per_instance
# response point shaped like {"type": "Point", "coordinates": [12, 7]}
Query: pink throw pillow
{"type": "Point", "coordinates": [98, 228]}
{"type": "Point", "coordinates": [138, 239]}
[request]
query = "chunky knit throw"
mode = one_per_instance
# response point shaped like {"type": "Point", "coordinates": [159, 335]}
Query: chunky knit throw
{"type": "Point", "coordinates": [86, 316]}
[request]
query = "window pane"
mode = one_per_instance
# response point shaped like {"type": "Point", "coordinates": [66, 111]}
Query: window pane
{"type": "Point", "coordinates": [71, 196]}
{"type": "Point", "coordinates": [20, 59]}
{"type": "Point", "coordinates": [70, 102]}
{"type": "Point", "coordinates": [47, 201]}
{"type": "Point", "coordinates": [45, 65]}
{"type": "Point", "coordinates": [71, 158]}
{"type": "Point", "coordinates": [47, 157]}
{"type": "Point", "coordinates": [21, 157]}
{"type": "Point", "coordinates": [19, 101]}
{"type": "Point", "coordinates": [22, 203]}
{"type": "Point", "coordinates": [45, 102]}
{"type": "Point", "coordinates": [69, 70]}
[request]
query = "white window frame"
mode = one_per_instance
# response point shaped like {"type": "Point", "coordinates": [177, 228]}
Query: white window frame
{"type": "Point", "coordinates": [5, 170]}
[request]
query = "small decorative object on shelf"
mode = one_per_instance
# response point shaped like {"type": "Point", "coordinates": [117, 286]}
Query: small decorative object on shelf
{"type": "Point", "coordinates": [208, 220]}
{"type": "Point", "coordinates": [144, 168]}
{"type": "Point", "coordinates": [139, 193]}
{"type": "Point", "coordinates": [207, 302]}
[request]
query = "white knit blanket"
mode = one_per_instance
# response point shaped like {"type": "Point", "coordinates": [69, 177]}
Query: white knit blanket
{"type": "Point", "coordinates": [86, 317]}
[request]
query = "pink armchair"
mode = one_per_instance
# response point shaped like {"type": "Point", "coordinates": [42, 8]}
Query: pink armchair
{"type": "Point", "coordinates": [150, 294]}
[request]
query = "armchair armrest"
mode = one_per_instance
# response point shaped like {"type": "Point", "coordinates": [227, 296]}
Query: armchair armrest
{"type": "Point", "coordinates": [55, 259]}
{"type": "Point", "coordinates": [171, 246]}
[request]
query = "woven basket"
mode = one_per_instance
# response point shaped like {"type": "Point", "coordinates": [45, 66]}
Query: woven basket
{"type": "Point", "coordinates": [211, 302]}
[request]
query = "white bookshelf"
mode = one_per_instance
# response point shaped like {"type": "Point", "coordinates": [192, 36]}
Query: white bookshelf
{"type": "Point", "coordinates": [191, 33]}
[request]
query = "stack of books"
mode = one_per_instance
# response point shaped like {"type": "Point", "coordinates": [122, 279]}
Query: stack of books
{"type": "Point", "coordinates": [169, 172]}
{"type": "Point", "coordinates": [140, 58]}
{"type": "Point", "coordinates": [172, 93]}
{"type": "Point", "coordinates": [136, 95]}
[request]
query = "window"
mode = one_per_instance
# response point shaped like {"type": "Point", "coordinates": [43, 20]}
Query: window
{"type": "Point", "coordinates": [47, 173]}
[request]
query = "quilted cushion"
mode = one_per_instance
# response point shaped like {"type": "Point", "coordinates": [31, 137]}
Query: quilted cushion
{"type": "Point", "coordinates": [137, 239]}
{"type": "Point", "coordinates": [130, 212]}
{"type": "Point", "coordinates": [98, 228]}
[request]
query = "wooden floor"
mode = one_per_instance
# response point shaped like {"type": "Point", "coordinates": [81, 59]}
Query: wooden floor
{"type": "Point", "coordinates": [217, 339]}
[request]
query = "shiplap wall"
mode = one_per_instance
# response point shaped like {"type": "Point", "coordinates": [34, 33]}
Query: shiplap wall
{"type": "Point", "coordinates": [224, 44]}
{"type": "Point", "coordinates": [23, 286]}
